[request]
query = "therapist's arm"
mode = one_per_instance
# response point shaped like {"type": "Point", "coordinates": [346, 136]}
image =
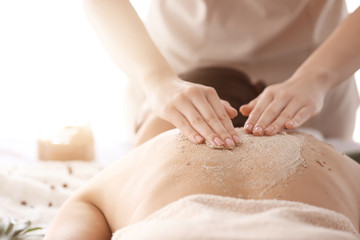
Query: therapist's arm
{"type": "Point", "coordinates": [195, 109]}
{"type": "Point", "coordinates": [290, 104]}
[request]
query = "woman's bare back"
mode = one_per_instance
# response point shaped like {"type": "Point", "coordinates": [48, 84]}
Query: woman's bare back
{"type": "Point", "coordinates": [288, 166]}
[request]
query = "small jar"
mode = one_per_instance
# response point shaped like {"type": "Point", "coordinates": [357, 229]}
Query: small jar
{"type": "Point", "coordinates": [72, 142]}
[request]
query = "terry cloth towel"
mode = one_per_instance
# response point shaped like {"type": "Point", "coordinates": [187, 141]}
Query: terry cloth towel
{"type": "Point", "coordinates": [214, 217]}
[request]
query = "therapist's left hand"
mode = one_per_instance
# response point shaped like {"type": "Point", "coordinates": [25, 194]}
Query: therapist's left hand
{"type": "Point", "coordinates": [284, 105]}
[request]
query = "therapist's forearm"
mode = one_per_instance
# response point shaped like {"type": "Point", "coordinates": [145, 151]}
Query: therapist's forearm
{"type": "Point", "coordinates": [127, 41]}
{"type": "Point", "coordinates": [338, 57]}
{"type": "Point", "coordinates": [195, 109]}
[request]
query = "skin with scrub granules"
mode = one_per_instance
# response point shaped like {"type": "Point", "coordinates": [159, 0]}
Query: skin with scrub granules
{"type": "Point", "coordinates": [260, 162]}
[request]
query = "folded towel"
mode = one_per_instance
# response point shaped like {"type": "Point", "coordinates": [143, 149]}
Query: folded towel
{"type": "Point", "coordinates": [214, 217]}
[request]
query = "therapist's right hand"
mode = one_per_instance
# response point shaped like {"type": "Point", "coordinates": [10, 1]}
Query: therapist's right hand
{"type": "Point", "coordinates": [196, 110]}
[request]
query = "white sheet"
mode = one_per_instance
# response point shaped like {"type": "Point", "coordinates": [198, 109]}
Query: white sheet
{"type": "Point", "coordinates": [36, 191]}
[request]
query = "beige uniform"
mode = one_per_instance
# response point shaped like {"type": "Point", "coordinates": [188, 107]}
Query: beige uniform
{"type": "Point", "coordinates": [268, 40]}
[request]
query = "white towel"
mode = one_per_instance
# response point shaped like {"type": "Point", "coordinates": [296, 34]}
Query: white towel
{"type": "Point", "coordinates": [214, 217]}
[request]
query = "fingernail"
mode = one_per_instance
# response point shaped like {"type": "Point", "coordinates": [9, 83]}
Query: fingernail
{"type": "Point", "coordinates": [230, 142]}
{"type": "Point", "coordinates": [218, 141]}
{"type": "Point", "coordinates": [290, 124]}
{"type": "Point", "coordinates": [236, 139]}
{"type": "Point", "coordinates": [258, 130]}
{"type": "Point", "coordinates": [248, 126]}
{"type": "Point", "coordinates": [199, 139]}
{"type": "Point", "coordinates": [269, 130]}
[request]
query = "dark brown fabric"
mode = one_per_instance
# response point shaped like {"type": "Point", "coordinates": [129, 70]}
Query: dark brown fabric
{"type": "Point", "coordinates": [231, 85]}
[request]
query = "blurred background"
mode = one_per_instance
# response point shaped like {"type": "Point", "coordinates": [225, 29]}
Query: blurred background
{"type": "Point", "coordinates": [54, 72]}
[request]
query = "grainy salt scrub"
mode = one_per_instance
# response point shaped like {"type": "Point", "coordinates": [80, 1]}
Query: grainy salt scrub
{"type": "Point", "coordinates": [258, 163]}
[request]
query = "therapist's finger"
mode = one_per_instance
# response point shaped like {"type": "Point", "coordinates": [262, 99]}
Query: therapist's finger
{"type": "Point", "coordinates": [285, 116]}
{"type": "Point", "coordinates": [200, 123]}
{"type": "Point", "coordinates": [231, 136]}
{"type": "Point", "coordinates": [229, 109]}
{"type": "Point", "coordinates": [301, 117]}
{"type": "Point", "coordinates": [184, 126]}
{"type": "Point", "coordinates": [214, 121]}
{"type": "Point", "coordinates": [246, 109]}
{"type": "Point", "coordinates": [277, 110]}
{"type": "Point", "coordinates": [263, 101]}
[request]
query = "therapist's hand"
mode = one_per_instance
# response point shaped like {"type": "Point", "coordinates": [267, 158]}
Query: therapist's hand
{"type": "Point", "coordinates": [284, 105]}
{"type": "Point", "coordinates": [196, 110]}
